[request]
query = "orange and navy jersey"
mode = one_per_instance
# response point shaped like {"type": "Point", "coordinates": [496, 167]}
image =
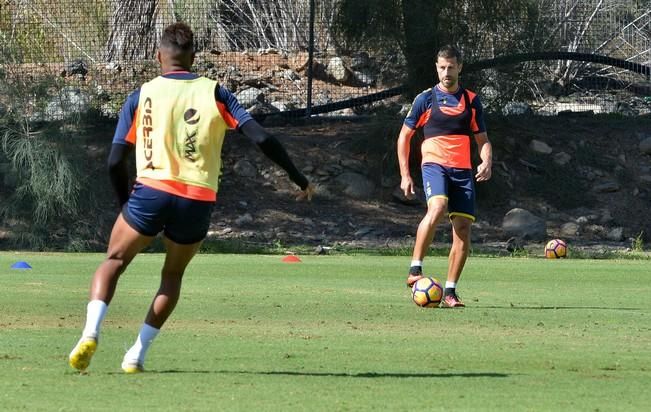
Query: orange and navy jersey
{"type": "Point", "coordinates": [178, 148]}
{"type": "Point", "coordinates": [447, 125]}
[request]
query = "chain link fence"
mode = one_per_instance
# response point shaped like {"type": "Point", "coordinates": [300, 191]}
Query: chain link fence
{"type": "Point", "coordinates": [88, 55]}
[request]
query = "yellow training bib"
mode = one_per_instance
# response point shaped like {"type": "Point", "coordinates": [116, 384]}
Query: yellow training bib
{"type": "Point", "coordinates": [179, 132]}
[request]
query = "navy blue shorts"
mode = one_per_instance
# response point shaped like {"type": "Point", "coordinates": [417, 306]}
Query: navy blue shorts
{"type": "Point", "coordinates": [456, 185]}
{"type": "Point", "coordinates": [150, 211]}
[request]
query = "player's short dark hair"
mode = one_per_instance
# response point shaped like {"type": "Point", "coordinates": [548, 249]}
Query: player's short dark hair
{"type": "Point", "coordinates": [178, 38]}
{"type": "Point", "coordinates": [448, 52]}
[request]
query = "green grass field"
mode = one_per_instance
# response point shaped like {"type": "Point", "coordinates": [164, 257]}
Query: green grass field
{"type": "Point", "coordinates": [334, 333]}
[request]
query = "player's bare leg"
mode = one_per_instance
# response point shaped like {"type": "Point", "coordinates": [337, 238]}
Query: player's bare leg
{"type": "Point", "coordinates": [457, 259]}
{"type": "Point", "coordinates": [436, 209]}
{"type": "Point", "coordinates": [124, 244]}
{"type": "Point", "coordinates": [176, 260]}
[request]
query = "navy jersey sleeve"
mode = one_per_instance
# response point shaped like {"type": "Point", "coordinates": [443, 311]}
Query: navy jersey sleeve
{"type": "Point", "coordinates": [479, 125]}
{"type": "Point", "coordinates": [418, 109]}
{"type": "Point", "coordinates": [125, 132]}
{"type": "Point", "coordinates": [231, 110]}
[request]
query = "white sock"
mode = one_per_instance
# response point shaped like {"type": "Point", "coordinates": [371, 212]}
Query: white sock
{"type": "Point", "coordinates": [95, 312]}
{"type": "Point", "coordinates": [416, 263]}
{"type": "Point", "coordinates": [139, 349]}
{"type": "Point", "coordinates": [450, 285]}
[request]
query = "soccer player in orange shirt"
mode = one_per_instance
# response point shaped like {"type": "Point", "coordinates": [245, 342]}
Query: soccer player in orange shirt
{"type": "Point", "coordinates": [449, 116]}
{"type": "Point", "coordinates": [176, 124]}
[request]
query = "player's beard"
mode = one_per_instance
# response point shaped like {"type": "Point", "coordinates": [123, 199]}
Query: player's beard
{"type": "Point", "coordinates": [449, 83]}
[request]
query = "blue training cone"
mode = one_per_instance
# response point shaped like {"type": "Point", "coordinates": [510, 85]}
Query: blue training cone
{"type": "Point", "coordinates": [21, 265]}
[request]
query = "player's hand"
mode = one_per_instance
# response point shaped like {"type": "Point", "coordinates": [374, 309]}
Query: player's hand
{"type": "Point", "coordinates": [407, 186]}
{"type": "Point", "coordinates": [306, 194]}
{"type": "Point", "coordinates": [484, 172]}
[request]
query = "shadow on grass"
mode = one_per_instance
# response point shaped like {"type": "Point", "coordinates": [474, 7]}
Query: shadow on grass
{"type": "Point", "coordinates": [351, 375]}
{"type": "Point", "coordinates": [556, 308]}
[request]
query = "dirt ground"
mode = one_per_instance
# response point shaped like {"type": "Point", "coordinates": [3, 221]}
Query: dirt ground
{"type": "Point", "coordinates": [601, 149]}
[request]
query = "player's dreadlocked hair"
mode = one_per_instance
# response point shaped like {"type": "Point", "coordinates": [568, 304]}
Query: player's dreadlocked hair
{"type": "Point", "coordinates": [448, 52]}
{"type": "Point", "coordinates": [178, 37]}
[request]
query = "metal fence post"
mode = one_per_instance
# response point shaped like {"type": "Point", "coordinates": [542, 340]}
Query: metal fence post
{"type": "Point", "coordinates": [308, 108]}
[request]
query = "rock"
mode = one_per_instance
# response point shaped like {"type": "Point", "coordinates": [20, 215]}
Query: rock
{"type": "Point", "coordinates": [523, 224]}
{"type": "Point", "coordinates": [337, 70]}
{"type": "Point", "coordinates": [244, 219]}
{"type": "Point", "coordinates": [404, 109]}
{"type": "Point", "coordinates": [347, 112]}
{"type": "Point", "coordinates": [70, 101]}
{"type": "Point", "coordinates": [76, 67]}
{"type": "Point", "coordinates": [516, 109]}
{"type": "Point", "coordinates": [280, 106]}
{"type": "Point", "coordinates": [540, 147]}
{"type": "Point", "coordinates": [562, 158]}
{"type": "Point", "coordinates": [360, 60]}
{"type": "Point", "coordinates": [569, 229]}
{"type": "Point", "coordinates": [616, 234]}
{"type": "Point", "coordinates": [113, 66]}
{"type": "Point", "coordinates": [606, 187]}
{"type": "Point", "coordinates": [354, 164]}
{"type": "Point", "coordinates": [364, 79]}
{"type": "Point", "coordinates": [244, 168]}
{"type": "Point", "coordinates": [355, 185]}
{"type": "Point", "coordinates": [582, 220]}
{"type": "Point", "coordinates": [645, 146]}
{"type": "Point", "coordinates": [268, 50]}
{"type": "Point", "coordinates": [322, 250]}
{"type": "Point", "coordinates": [249, 97]}
{"type": "Point", "coordinates": [490, 93]}
{"type": "Point", "coordinates": [262, 108]}
{"type": "Point", "coordinates": [596, 230]}
{"type": "Point", "coordinates": [291, 75]}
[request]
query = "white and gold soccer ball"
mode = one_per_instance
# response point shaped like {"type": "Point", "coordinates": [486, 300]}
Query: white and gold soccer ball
{"type": "Point", "coordinates": [556, 249]}
{"type": "Point", "coordinates": [427, 292]}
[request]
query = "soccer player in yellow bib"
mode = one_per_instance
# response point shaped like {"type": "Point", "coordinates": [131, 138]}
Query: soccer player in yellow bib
{"type": "Point", "coordinates": [176, 124]}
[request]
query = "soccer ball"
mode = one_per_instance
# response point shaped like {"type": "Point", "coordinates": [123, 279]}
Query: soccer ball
{"type": "Point", "coordinates": [427, 292]}
{"type": "Point", "coordinates": [555, 249]}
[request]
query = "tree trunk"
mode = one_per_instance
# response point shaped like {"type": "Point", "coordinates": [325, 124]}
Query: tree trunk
{"type": "Point", "coordinates": [136, 27]}
{"type": "Point", "coordinates": [422, 41]}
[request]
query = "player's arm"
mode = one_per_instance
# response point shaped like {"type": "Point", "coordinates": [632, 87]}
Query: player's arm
{"type": "Point", "coordinates": [485, 148]}
{"type": "Point", "coordinates": [118, 171]}
{"type": "Point", "coordinates": [275, 151]}
{"type": "Point", "coordinates": [484, 170]}
{"type": "Point", "coordinates": [123, 144]}
{"type": "Point", "coordinates": [404, 142]}
{"type": "Point", "coordinates": [415, 119]}
{"type": "Point", "coordinates": [237, 117]}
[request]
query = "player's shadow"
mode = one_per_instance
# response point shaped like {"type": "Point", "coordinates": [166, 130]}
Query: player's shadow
{"type": "Point", "coordinates": [555, 307]}
{"type": "Point", "coordinates": [350, 375]}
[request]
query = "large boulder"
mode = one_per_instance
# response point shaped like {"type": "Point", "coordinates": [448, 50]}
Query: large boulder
{"type": "Point", "coordinates": [249, 97]}
{"type": "Point", "coordinates": [70, 101]}
{"type": "Point", "coordinates": [355, 185]}
{"type": "Point", "coordinates": [338, 70]}
{"type": "Point", "coordinates": [523, 224]}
